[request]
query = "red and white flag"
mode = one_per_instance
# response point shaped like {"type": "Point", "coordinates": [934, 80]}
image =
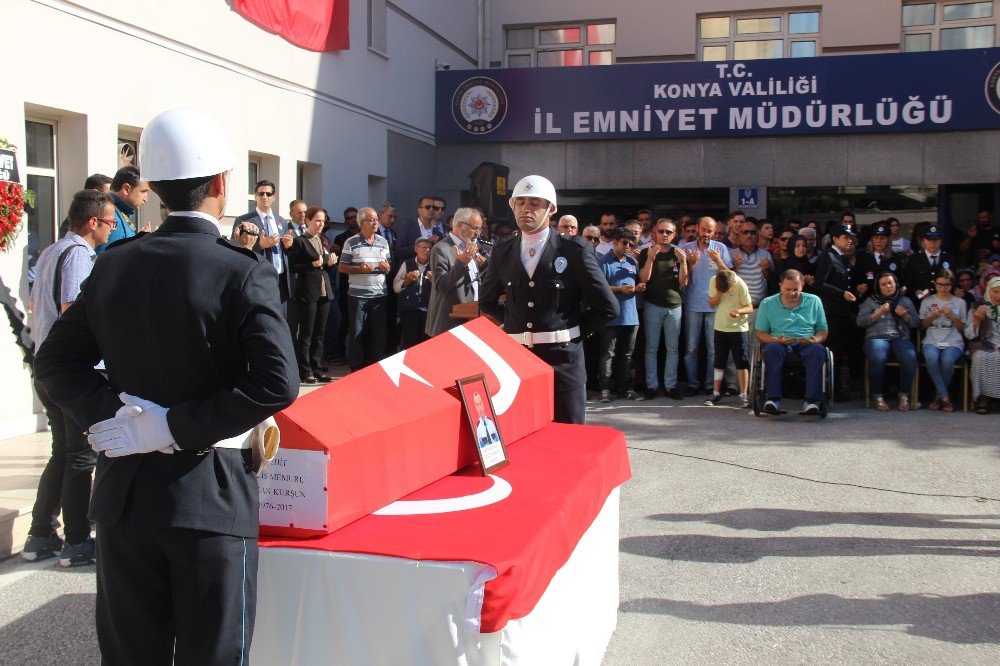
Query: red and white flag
{"type": "Point", "coordinates": [317, 25]}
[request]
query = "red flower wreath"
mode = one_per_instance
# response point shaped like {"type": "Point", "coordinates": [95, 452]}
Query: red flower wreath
{"type": "Point", "coordinates": [12, 200]}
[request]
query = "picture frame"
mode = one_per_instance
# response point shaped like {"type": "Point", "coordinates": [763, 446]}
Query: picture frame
{"type": "Point", "coordinates": [482, 419]}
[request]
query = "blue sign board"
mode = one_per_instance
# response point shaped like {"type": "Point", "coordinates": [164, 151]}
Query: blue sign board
{"type": "Point", "coordinates": [746, 197]}
{"type": "Point", "coordinates": [905, 92]}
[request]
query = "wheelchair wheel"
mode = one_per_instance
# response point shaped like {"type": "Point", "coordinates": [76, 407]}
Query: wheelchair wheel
{"type": "Point", "coordinates": [756, 385]}
{"type": "Point", "coordinates": [830, 373]}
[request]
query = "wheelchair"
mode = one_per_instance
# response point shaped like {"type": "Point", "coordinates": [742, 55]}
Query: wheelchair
{"type": "Point", "coordinates": [793, 382]}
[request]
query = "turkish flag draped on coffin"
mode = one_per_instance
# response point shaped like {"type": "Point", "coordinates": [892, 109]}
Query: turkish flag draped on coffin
{"type": "Point", "coordinates": [317, 25]}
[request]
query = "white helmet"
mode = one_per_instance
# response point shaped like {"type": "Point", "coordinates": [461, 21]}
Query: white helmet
{"type": "Point", "coordinates": [184, 143]}
{"type": "Point", "coordinates": [534, 186]}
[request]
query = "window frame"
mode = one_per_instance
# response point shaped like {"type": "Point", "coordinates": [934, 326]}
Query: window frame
{"type": "Point", "coordinates": [934, 29]}
{"type": "Point", "coordinates": [581, 45]}
{"type": "Point", "coordinates": [787, 38]}
{"type": "Point", "coordinates": [45, 172]}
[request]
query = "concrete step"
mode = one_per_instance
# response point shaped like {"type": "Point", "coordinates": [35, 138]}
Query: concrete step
{"type": "Point", "coordinates": [22, 460]}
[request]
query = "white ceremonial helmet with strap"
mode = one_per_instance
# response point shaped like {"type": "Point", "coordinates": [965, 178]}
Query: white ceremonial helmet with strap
{"type": "Point", "coordinates": [534, 186]}
{"type": "Point", "coordinates": [184, 143]}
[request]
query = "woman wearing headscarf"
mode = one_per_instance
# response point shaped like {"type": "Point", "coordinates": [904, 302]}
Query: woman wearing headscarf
{"type": "Point", "coordinates": [980, 290]}
{"type": "Point", "coordinates": [798, 258]}
{"type": "Point", "coordinates": [983, 332]}
{"type": "Point", "coordinates": [887, 318]}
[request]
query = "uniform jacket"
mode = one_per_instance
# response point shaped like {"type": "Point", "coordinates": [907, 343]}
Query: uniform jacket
{"type": "Point", "coordinates": [450, 285]}
{"type": "Point", "coordinates": [550, 300]}
{"type": "Point", "coordinates": [207, 340]}
{"type": "Point", "coordinates": [833, 278]}
{"type": "Point", "coordinates": [406, 234]}
{"type": "Point", "coordinates": [306, 278]}
{"type": "Point", "coordinates": [917, 274]}
{"type": "Point", "coordinates": [866, 270]}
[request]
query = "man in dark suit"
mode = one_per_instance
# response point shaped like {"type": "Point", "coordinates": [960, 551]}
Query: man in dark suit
{"type": "Point", "coordinates": [456, 264]}
{"type": "Point", "coordinates": [835, 286]}
{"type": "Point", "coordinates": [555, 294]}
{"type": "Point", "coordinates": [275, 235]}
{"type": "Point", "coordinates": [923, 265]}
{"type": "Point", "coordinates": [207, 359]}
{"type": "Point", "coordinates": [424, 226]}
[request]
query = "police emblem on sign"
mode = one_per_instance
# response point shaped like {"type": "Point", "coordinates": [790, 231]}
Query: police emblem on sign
{"type": "Point", "coordinates": [479, 105]}
{"type": "Point", "coordinates": [993, 87]}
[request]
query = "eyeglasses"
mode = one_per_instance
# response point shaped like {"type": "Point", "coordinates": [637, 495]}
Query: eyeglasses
{"type": "Point", "coordinates": [472, 228]}
{"type": "Point", "coordinates": [433, 207]}
{"type": "Point", "coordinates": [666, 231]}
{"type": "Point", "coordinates": [785, 239]}
{"type": "Point", "coordinates": [264, 195]}
{"type": "Point", "coordinates": [592, 239]}
{"type": "Point", "coordinates": [368, 219]}
{"type": "Point", "coordinates": [113, 223]}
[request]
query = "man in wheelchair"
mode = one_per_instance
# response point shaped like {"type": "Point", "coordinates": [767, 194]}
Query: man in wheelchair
{"type": "Point", "coordinates": [792, 322]}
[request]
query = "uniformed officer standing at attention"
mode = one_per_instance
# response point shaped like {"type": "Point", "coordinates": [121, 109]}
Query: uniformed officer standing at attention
{"type": "Point", "coordinates": [207, 358]}
{"type": "Point", "coordinates": [554, 293]}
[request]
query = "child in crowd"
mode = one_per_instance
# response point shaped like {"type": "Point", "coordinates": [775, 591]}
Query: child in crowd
{"type": "Point", "coordinates": [728, 294]}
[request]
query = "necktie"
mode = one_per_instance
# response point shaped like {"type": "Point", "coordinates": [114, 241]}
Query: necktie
{"type": "Point", "coordinates": [272, 252]}
{"type": "Point", "coordinates": [878, 258]}
{"type": "Point", "coordinates": [933, 261]}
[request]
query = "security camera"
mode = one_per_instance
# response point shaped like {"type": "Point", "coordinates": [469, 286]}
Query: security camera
{"type": "Point", "coordinates": [441, 65]}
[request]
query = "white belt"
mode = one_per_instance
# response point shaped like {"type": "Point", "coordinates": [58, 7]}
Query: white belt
{"type": "Point", "coordinates": [546, 338]}
{"type": "Point", "coordinates": [243, 441]}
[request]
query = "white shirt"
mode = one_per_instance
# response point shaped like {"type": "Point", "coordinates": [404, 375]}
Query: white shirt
{"type": "Point", "coordinates": [473, 266]}
{"type": "Point", "coordinates": [425, 231]}
{"type": "Point", "coordinates": [534, 242]}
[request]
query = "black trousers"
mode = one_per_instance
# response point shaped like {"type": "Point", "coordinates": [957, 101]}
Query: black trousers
{"type": "Point", "coordinates": [571, 406]}
{"type": "Point", "coordinates": [411, 327]}
{"type": "Point", "coordinates": [67, 477]}
{"type": "Point", "coordinates": [838, 341]}
{"type": "Point", "coordinates": [174, 596]}
{"type": "Point", "coordinates": [312, 318]}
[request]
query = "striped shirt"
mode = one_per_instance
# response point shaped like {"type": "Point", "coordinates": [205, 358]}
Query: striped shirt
{"type": "Point", "coordinates": [752, 273]}
{"type": "Point", "coordinates": [357, 251]}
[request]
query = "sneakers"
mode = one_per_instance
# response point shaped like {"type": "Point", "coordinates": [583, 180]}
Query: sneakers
{"type": "Point", "coordinates": [632, 395]}
{"type": "Point", "coordinates": [41, 548]}
{"type": "Point", "coordinates": [713, 399]}
{"type": "Point", "coordinates": [605, 395]}
{"type": "Point", "coordinates": [76, 555]}
{"type": "Point", "coordinates": [649, 394]}
{"type": "Point", "coordinates": [690, 390]}
{"type": "Point", "coordinates": [674, 394]}
{"type": "Point", "coordinates": [810, 408]}
{"type": "Point", "coordinates": [772, 407]}
{"type": "Point", "coordinates": [744, 401]}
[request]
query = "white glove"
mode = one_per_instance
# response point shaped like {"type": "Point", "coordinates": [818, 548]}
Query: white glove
{"type": "Point", "coordinates": [140, 426]}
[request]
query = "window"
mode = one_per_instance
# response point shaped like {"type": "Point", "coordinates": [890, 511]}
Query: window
{"type": "Point", "coordinates": [41, 168]}
{"type": "Point", "coordinates": [378, 30]}
{"type": "Point", "coordinates": [253, 171]}
{"type": "Point", "coordinates": [778, 34]}
{"type": "Point", "coordinates": [944, 26]}
{"type": "Point", "coordinates": [571, 45]}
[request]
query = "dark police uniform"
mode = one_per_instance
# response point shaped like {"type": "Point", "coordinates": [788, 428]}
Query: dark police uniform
{"type": "Point", "coordinates": [833, 278]}
{"type": "Point", "coordinates": [566, 290]}
{"type": "Point", "coordinates": [191, 322]}
{"type": "Point", "coordinates": [918, 275]}
{"type": "Point", "coordinates": [867, 268]}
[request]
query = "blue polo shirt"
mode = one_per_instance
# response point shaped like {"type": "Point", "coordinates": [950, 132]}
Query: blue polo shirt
{"type": "Point", "coordinates": [701, 274]}
{"type": "Point", "coordinates": [619, 273]}
{"type": "Point", "coordinates": [802, 322]}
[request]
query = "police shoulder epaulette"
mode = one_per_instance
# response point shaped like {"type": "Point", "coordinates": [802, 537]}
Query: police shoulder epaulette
{"type": "Point", "coordinates": [123, 241]}
{"type": "Point", "coordinates": [225, 242]}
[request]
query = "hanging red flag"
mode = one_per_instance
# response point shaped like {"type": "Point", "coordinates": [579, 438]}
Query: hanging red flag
{"type": "Point", "coordinates": [317, 25]}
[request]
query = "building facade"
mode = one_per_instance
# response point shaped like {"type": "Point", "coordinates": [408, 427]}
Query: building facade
{"type": "Point", "coordinates": [360, 126]}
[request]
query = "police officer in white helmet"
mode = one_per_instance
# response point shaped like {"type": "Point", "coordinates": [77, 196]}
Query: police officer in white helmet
{"type": "Point", "coordinates": [207, 356]}
{"type": "Point", "coordinates": [553, 293]}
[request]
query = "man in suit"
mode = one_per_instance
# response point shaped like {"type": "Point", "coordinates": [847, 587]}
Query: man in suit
{"type": "Point", "coordinates": [423, 227]}
{"type": "Point", "coordinates": [456, 264]}
{"type": "Point", "coordinates": [297, 218]}
{"type": "Point", "coordinates": [275, 236]}
{"type": "Point", "coordinates": [207, 359]}
{"type": "Point", "coordinates": [923, 265]}
{"type": "Point", "coordinates": [546, 278]}
{"type": "Point", "coordinates": [835, 286]}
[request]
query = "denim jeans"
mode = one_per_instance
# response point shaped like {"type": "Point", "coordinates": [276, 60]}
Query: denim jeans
{"type": "Point", "coordinates": [877, 350]}
{"type": "Point", "coordinates": [67, 477]}
{"type": "Point", "coordinates": [941, 366]}
{"type": "Point", "coordinates": [667, 320]}
{"type": "Point", "coordinates": [617, 344]}
{"type": "Point", "coordinates": [699, 326]}
{"type": "Point", "coordinates": [813, 357]}
{"type": "Point", "coordinates": [366, 329]}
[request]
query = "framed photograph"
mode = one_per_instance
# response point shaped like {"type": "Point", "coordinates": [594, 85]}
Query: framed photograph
{"type": "Point", "coordinates": [483, 421]}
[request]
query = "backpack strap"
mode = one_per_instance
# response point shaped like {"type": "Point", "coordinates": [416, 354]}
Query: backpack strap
{"type": "Point", "coordinates": [57, 280]}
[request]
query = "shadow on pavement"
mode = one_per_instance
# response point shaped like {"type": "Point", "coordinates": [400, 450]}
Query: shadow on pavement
{"type": "Point", "coordinates": [780, 520]}
{"type": "Point", "coordinates": [742, 550]}
{"type": "Point", "coordinates": [971, 618]}
{"type": "Point", "coordinates": [59, 632]}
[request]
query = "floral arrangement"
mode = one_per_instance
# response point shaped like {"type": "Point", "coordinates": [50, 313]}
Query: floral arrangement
{"type": "Point", "coordinates": [13, 197]}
